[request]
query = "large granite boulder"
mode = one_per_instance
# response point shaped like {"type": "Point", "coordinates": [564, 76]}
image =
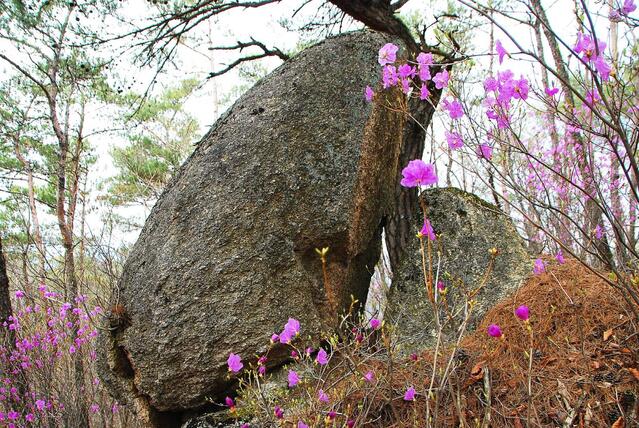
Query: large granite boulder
{"type": "Point", "coordinates": [227, 255]}
{"type": "Point", "coordinates": [467, 228]}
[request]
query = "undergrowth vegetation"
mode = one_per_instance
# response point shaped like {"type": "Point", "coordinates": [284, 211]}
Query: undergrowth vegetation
{"type": "Point", "coordinates": [569, 359]}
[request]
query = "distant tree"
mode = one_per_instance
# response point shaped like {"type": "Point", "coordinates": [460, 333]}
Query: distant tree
{"type": "Point", "coordinates": [57, 83]}
{"type": "Point", "coordinates": [161, 135]}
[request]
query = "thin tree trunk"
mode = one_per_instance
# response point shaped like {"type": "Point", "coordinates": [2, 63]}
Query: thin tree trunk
{"type": "Point", "coordinates": [6, 311]}
{"type": "Point", "coordinates": [33, 210]}
{"type": "Point", "coordinates": [615, 198]}
{"type": "Point", "coordinates": [559, 223]}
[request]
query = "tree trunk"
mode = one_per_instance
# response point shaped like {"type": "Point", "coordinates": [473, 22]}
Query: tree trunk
{"type": "Point", "coordinates": [400, 225]}
{"type": "Point", "coordinates": [8, 336]}
{"type": "Point", "coordinates": [33, 210]}
{"type": "Point", "coordinates": [380, 15]}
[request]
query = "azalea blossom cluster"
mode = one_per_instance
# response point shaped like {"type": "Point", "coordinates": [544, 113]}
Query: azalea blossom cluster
{"type": "Point", "coordinates": [46, 331]}
{"type": "Point", "coordinates": [591, 51]}
{"type": "Point", "coordinates": [300, 377]}
{"type": "Point", "coordinates": [408, 76]}
{"type": "Point", "coordinates": [627, 7]}
{"type": "Point", "coordinates": [501, 91]}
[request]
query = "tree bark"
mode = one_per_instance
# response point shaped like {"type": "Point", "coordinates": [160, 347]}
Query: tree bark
{"type": "Point", "coordinates": [378, 15]}
{"type": "Point", "coordinates": [400, 224]}
{"type": "Point", "coordinates": [33, 210]}
{"type": "Point", "coordinates": [6, 311]}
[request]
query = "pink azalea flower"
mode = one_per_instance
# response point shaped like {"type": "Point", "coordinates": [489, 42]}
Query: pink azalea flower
{"type": "Point", "coordinates": [520, 89]}
{"type": "Point", "coordinates": [387, 54]}
{"type": "Point", "coordinates": [427, 230]}
{"type": "Point", "coordinates": [551, 92]}
{"type": "Point", "coordinates": [368, 94]}
{"type": "Point", "coordinates": [291, 330]}
{"type": "Point", "coordinates": [454, 108]}
{"type": "Point", "coordinates": [589, 46]}
{"type": "Point", "coordinates": [293, 378]}
{"type": "Point", "coordinates": [409, 395]}
{"type": "Point", "coordinates": [418, 173]}
{"type": "Point", "coordinates": [375, 323]}
{"type": "Point", "coordinates": [275, 338]}
{"type": "Point", "coordinates": [369, 376]}
{"type": "Point", "coordinates": [95, 408]}
{"type": "Point", "coordinates": [321, 396]}
{"type": "Point", "coordinates": [301, 424]}
{"type": "Point", "coordinates": [405, 83]}
{"type": "Point", "coordinates": [350, 423]}
{"type": "Point", "coordinates": [406, 71]}
{"type": "Point", "coordinates": [628, 7]}
{"type": "Point", "coordinates": [491, 84]}
{"type": "Point", "coordinates": [539, 267]}
{"type": "Point", "coordinates": [441, 286]}
{"type": "Point", "coordinates": [522, 312]}
{"type": "Point", "coordinates": [485, 151]}
{"type": "Point", "coordinates": [441, 79]}
{"type": "Point", "coordinates": [599, 232]}
{"type": "Point", "coordinates": [229, 402]}
{"type": "Point", "coordinates": [560, 257]}
{"type": "Point", "coordinates": [592, 97]}
{"type": "Point", "coordinates": [454, 140]}
{"type": "Point", "coordinates": [425, 59]}
{"type": "Point", "coordinates": [494, 330]}
{"type": "Point", "coordinates": [424, 73]}
{"type": "Point", "coordinates": [279, 412]}
{"type": "Point", "coordinates": [424, 93]}
{"type": "Point", "coordinates": [389, 76]}
{"type": "Point", "coordinates": [500, 51]}
{"type": "Point", "coordinates": [30, 417]}
{"type": "Point", "coordinates": [40, 404]}
{"type": "Point", "coordinates": [234, 363]}
{"type": "Point", "coordinates": [19, 294]}
{"type": "Point", "coordinates": [322, 357]}
{"type": "Point", "coordinates": [292, 326]}
{"type": "Point", "coordinates": [332, 415]}
{"type": "Point", "coordinates": [614, 15]}
{"type": "Point", "coordinates": [603, 68]}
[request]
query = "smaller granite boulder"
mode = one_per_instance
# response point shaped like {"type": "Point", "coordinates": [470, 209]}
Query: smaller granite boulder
{"type": "Point", "coordinates": [467, 228]}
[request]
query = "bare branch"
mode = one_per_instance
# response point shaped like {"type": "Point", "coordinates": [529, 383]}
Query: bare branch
{"type": "Point", "coordinates": [243, 45]}
{"type": "Point", "coordinates": [237, 62]}
{"type": "Point", "coordinates": [398, 4]}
